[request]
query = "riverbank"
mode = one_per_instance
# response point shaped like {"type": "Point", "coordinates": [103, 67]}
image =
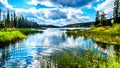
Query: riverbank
{"type": "Point", "coordinates": [104, 34]}
{"type": "Point", "coordinates": [12, 34]}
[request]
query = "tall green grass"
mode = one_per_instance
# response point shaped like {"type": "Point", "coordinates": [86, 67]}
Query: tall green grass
{"type": "Point", "coordinates": [25, 31]}
{"type": "Point", "coordinates": [115, 28]}
{"type": "Point", "coordinates": [8, 36]}
{"type": "Point", "coordinates": [84, 59]}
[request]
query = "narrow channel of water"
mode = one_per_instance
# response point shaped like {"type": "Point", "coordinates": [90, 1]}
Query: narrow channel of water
{"type": "Point", "coordinates": [31, 52]}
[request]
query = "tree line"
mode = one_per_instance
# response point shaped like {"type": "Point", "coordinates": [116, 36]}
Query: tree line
{"type": "Point", "coordinates": [12, 20]}
{"type": "Point", "coordinates": [101, 19]}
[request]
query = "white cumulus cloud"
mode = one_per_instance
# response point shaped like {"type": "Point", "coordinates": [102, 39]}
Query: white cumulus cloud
{"type": "Point", "coordinates": [5, 2]}
{"type": "Point", "coordinates": [106, 6]}
{"type": "Point", "coordinates": [55, 16]}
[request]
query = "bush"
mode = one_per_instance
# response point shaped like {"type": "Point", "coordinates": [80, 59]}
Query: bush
{"type": "Point", "coordinates": [115, 28]}
{"type": "Point", "coordinates": [2, 25]}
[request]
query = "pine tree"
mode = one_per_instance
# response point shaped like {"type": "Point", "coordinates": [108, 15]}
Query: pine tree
{"type": "Point", "coordinates": [1, 24]}
{"type": "Point", "coordinates": [103, 18]}
{"type": "Point", "coordinates": [15, 20]}
{"type": "Point", "coordinates": [4, 19]}
{"type": "Point", "coordinates": [8, 19]}
{"type": "Point", "coordinates": [0, 14]}
{"type": "Point", "coordinates": [12, 20]}
{"type": "Point", "coordinates": [116, 13]}
{"type": "Point", "coordinates": [97, 18]}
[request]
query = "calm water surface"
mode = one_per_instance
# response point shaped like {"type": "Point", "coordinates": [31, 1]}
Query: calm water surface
{"type": "Point", "coordinates": [30, 52]}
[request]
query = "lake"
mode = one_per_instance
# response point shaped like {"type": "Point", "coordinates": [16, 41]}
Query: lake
{"type": "Point", "coordinates": [36, 50]}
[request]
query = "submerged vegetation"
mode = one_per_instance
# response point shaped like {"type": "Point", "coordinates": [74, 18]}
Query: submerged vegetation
{"type": "Point", "coordinates": [103, 34]}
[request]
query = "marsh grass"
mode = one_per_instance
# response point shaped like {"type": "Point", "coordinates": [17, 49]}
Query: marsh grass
{"type": "Point", "coordinates": [106, 34]}
{"type": "Point", "coordinates": [9, 36]}
{"type": "Point", "coordinates": [115, 28]}
{"type": "Point", "coordinates": [84, 59]}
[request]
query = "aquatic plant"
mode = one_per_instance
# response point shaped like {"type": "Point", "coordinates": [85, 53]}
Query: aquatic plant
{"type": "Point", "coordinates": [84, 59]}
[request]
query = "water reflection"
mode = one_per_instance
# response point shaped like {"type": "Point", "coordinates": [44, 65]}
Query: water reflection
{"type": "Point", "coordinates": [3, 57]}
{"type": "Point", "coordinates": [35, 51]}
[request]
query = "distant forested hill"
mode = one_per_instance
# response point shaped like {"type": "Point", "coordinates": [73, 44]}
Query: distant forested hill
{"type": "Point", "coordinates": [87, 24]}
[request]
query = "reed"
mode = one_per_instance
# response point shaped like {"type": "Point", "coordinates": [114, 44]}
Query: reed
{"type": "Point", "coordinates": [84, 59]}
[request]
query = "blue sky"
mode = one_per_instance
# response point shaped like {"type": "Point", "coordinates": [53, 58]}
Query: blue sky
{"type": "Point", "coordinates": [59, 12]}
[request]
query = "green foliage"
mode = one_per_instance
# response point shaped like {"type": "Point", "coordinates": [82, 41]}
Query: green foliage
{"type": "Point", "coordinates": [0, 14]}
{"type": "Point", "coordinates": [101, 20]}
{"type": "Point", "coordinates": [116, 11]}
{"type": "Point", "coordinates": [115, 28]}
{"type": "Point", "coordinates": [17, 21]}
{"type": "Point", "coordinates": [2, 25]}
{"type": "Point", "coordinates": [78, 58]}
{"type": "Point", "coordinates": [101, 28]}
{"type": "Point", "coordinates": [12, 34]}
{"type": "Point", "coordinates": [7, 21]}
{"type": "Point", "coordinates": [8, 36]}
{"type": "Point", "coordinates": [97, 19]}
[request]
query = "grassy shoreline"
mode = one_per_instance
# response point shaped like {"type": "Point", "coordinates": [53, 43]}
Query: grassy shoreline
{"type": "Point", "coordinates": [104, 34]}
{"type": "Point", "coordinates": [12, 34]}
{"type": "Point", "coordinates": [9, 36]}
